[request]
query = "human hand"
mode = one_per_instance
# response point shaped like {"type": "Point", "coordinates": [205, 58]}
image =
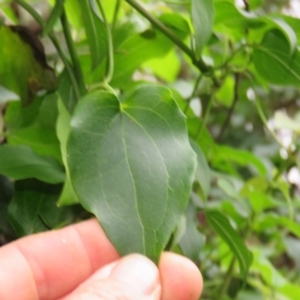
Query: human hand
{"type": "Point", "coordinates": [79, 262]}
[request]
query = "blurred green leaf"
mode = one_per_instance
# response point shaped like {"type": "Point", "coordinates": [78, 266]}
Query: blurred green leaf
{"type": "Point", "coordinates": [192, 241]}
{"type": "Point", "coordinates": [33, 208]}
{"type": "Point", "coordinates": [20, 162]}
{"type": "Point", "coordinates": [68, 195]}
{"type": "Point", "coordinates": [223, 228]}
{"type": "Point", "coordinates": [238, 156]}
{"type": "Point", "coordinates": [152, 165]}
{"type": "Point", "coordinates": [202, 13]}
{"type": "Point", "coordinates": [28, 73]}
{"type": "Point", "coordinates": [273, 61]}
{"type": "Point", "coordinates": [95, 32]}
{"type": "Point", "coordinates": [203, 171]}
{"type": "Point", "coordinates": [277, 282]}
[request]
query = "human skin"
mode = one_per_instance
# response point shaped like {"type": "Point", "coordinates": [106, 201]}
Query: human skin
{"type": "Point", "coordinates": [61, 264]}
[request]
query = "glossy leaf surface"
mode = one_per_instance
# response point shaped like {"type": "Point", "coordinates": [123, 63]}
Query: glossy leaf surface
{"type": "Point", "coordinates": [131, 164]}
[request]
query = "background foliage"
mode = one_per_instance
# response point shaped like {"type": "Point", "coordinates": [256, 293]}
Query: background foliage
{"type": "Point", "coordinates": [233, 68]}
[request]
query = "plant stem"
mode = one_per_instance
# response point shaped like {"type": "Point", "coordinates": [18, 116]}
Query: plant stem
{"type": "Point", "coordinates": [206, 115]}
{"type": "Point", "coordinates": [199, 63]}
{"type": "Point", "coordinates": [116, 12]}
{"type": "Point", "coordinates": [231, 110]}
{"type": "Point", "coordinates": [73, 54]}
{"type": "Point", "coordinates": [188, 100]}
{"type": "Point", "coordinates": [42, 23]}
{"type": "Point", "coordinates": [110, 61]}
{"type": "Point", "coordinates": [227, 279]}
{"type": "Point", "coordinates": [265, 122]}
{"type": "Point", "coordinates": [68, 66]}
{"type": "Point", "coordinates": [32, 12]}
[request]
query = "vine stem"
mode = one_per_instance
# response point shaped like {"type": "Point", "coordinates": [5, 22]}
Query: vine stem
{"type": "Point", "coordinates": [199, 63]}
{"type": "Point", "coordinates": [205, 118]}
{"type": "Point", "coordinates": [55, 42]}
{"type": "Point", "coordinates": [73, 53]}
{"type": "Point", "coordinates": [227, 279]}
{"type": "Point", "coordinates": [265, 122]}
{"type": "Point", "coordinates": [110, 62]}
{"type": "Point", "coordinates": [193, 94]}
{"type": "Point", "coordinates": [32, 12]}
{"type": "Point", "coordinates": [232, 107]}
{"type": "Point", "coordinates": [116, 12]}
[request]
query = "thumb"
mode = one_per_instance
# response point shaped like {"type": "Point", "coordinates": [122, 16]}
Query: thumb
{"type": "Point", "coordinates": [133, 277]}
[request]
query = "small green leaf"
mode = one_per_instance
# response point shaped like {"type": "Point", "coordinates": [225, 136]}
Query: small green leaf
{"type": "Point", "coordinates": [95, 32]}
{"type": "Point", "coordinates": [54, 16]}
{"type": "Point", "coordinates": [20, 162]}
{"type": "Point", "coordinates": [33, 207]}
{"type": "Point", "coordinates": [202, 12]}
{"type": "Point", "coordinates": [222, 226]}
{"type": "Point", "coordinates": [203, 171]}
{"type": "Point", "coordinates": [273, 61]}
{"type": "Point", "coordinates": [192, 241]}
{"type": "Point", "coordinates": [68, 195]}
{"type": "Point", "coordinates": [239, 156]}
{"type": "Point", "coordinates": [131, 164]}
{"type": "Point", "coordinates": [66, 91]}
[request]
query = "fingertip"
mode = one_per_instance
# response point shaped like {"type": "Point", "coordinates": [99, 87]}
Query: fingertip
{"type": "Point", "coordinates": [181, 278]}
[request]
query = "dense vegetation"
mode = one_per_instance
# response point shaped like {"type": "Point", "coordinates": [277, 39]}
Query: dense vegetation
{"type": "Point", "coordinates": [92, 122]}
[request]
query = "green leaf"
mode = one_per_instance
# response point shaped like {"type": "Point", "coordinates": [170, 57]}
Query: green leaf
{"type": "Point", "coordinates": [192, 241]}
{"type": "Point", "coordinates": [294, 24]}
{"type": "Point", "coordinates": [68, 195]}
{"type": "Point", "coordinates": [73, 11]}
{"type": "Point", "coordinates": [66, 91]}
{"type": "Point", "coordinates": [234, 21]}
{"type": "Point", "coordinates": [95, 32]}
{"type": "Point", "coordinates": [273, 61]}
{"type": "Point", "coordinates": [33, 208]}
{"type": "Point", "coordinates": [239, 156]}
{"type": "Point", "coordinates": [54, 16]}
{"type": "Point", "coordinates": [131, 164]}
{"type": "Point", "coordinates": [287, 31]}
{"type": "Point", "coordinates": [202, 12]}
{"type": "Point", "coordinates": [132, 49]}
{"type": "Point", "coordinates": [222, 226]}
{"type": "Point", "coordinates": [42, 140]}
{"type": "Point", "coordinates": [28, 73]}
{"type": "Point", "coordinates": [203, 176]}
{"type": "Point", "coordinates": [275, 280]}
{"type": "Point", "coordinates": [20, 162]}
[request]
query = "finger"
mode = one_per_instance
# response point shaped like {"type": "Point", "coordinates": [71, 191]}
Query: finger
{"type": "Point", "coordinates": [49, 265]}
{"type": "Point", "coordinates": [133, 277]}
{"type": "Point", "coordinates": [180, 277]}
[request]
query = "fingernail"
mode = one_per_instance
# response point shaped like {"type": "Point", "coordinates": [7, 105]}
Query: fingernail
{"type": "Point", "coordinates": [138, 272]}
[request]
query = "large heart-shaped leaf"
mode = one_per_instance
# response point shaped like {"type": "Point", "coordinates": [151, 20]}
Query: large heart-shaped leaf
{"type": "Point", "coordinates": [131, 164]}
